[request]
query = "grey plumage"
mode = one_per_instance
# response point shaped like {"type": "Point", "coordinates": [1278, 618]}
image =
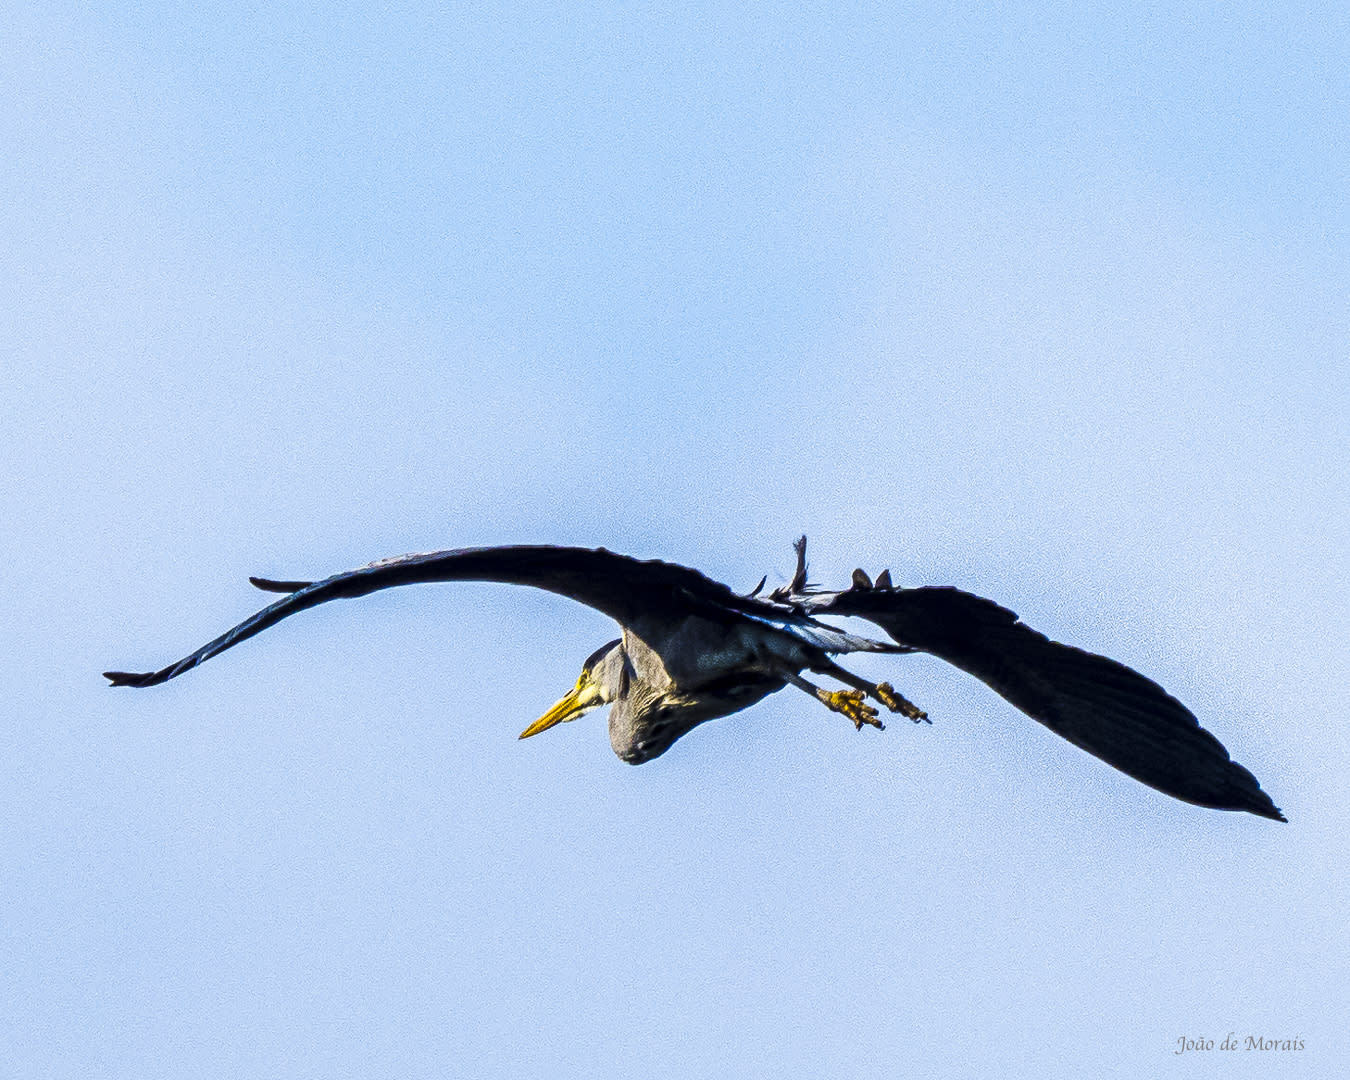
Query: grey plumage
{"type": "Point", "coordinates": [692, 650]}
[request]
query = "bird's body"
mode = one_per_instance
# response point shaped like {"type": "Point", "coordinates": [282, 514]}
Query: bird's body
{"type": "Point", "coordinates": [670, 686]}
{"type": "Point", "coordinates": [691, 650]}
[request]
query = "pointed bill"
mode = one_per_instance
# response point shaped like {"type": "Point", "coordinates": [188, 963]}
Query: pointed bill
{"type": "Point", "coordinates": [576, 701]}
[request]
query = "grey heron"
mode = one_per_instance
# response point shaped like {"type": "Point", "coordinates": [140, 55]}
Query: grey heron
{"type": "Point", "coordinates": [692, 650]}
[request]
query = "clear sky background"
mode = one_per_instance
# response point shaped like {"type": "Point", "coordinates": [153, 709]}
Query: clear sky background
{"type": "Point", "coordinates": [1048, 302]}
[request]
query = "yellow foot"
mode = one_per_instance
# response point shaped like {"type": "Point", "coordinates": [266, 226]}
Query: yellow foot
{"type": "Point", "coordinates": [853, 704]}
{"type": "Point", "coordinates": [899, 703]}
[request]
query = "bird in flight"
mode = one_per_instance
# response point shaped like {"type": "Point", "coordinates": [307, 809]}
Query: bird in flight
{"type": "Point", "coordinates": [692, 650]}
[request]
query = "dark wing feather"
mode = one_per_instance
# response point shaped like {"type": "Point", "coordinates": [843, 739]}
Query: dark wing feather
{"type": "Point", "coordinates": [1100, 705]}
{"type": "Point", "coordinates": [617, 585]}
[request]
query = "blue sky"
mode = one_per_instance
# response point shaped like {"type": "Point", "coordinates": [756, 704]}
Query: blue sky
{"type": "Point", "coordinates": [1046, 303]}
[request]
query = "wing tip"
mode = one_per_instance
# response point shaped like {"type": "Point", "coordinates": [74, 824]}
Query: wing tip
{"type": "Point", "coordinates": [1238, 790]}
{"type": "Point", "coordinates": [1248, 795]}
{"type": "Point", "coordinates": [268, 585]}
{"type": "Point", "coordinates": [1267, 809]}
{"type": "Point", "coordinates": [128, 678]}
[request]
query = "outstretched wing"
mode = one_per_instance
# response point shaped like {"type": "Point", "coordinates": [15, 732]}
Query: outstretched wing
{"type": "Point", "coordinates": [1100, 705]}
{"type": "Point", "coordinates": [620, 586]}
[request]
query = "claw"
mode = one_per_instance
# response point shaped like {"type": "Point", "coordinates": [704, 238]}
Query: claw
{"type": "Point", "coordinates": [899, 703]}
{"type": "Point", "coordinates": [853, 704]}
{"type": "Point", "coordinates": [887, 696]}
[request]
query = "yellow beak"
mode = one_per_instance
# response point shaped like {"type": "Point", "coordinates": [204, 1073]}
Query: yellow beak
{"type": "Point", "coordinates": [575, 702]}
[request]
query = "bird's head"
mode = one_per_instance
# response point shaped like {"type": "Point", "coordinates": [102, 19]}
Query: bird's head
{"type": "Point", "coordinates": [602, 680]}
